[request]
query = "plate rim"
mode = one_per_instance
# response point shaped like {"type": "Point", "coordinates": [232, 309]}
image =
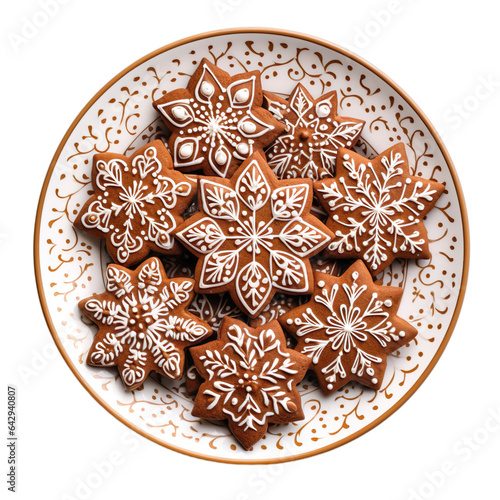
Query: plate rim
{"type": "Point", "coordinates": [391, 83]}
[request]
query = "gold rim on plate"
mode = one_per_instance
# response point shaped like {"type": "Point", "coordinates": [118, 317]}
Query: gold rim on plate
{"type": "Point", "coordinates": [370, 67]}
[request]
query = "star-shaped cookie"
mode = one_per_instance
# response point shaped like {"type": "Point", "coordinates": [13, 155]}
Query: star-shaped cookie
{"type": "Point", "coordinates": [250, 379]}
{"type": "Point", "coordinates": [254, 236]}
{"type": "Point", "coordinates": [348, 328]}
{"type": "Point", "coordinates": [137, 202]}
{"type": "Point", "coordinates": [314, 133]}
{"type": "Point", "coordinates": [143, 323]}
{"type": "Point", "coordinates": [376, 208]}
{"type": "Point", "coordinates": [218, 121]}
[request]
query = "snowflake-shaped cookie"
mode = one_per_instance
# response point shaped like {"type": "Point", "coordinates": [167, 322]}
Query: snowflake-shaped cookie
{"type": "Point", "coordinates": [218, 121]}
{"type": "Point", "coordinates": [376, 208]}
{"type": "Point", "coordinates": [250, 379]}
{"type": "Point", "coordinates": [313, 135]}
{"type": "Point", "coordinates": [254, 236]}
{"type": "Point", "coordinates": [348, 328]}
{"type": "Point", "coordinates": [143, 323]}
{"type": "Point", "coordinates": [137, 202]}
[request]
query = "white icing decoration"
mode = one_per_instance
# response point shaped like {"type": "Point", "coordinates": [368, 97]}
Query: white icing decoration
{"type": "Point", "coordinates": [179, 112]}
{"type": "Point", "coordinates": [352, 318]}
{"type": "Point", "coordinates": [273, 252]}
{"type": "Point", "coordinates": [249, 127]}
{"type": "Point", "coordinates": [207, 89]}
{"type": "Point", "coordinates": [381, 230]}
{"type": "Point", "coordinates": [138, 198]}
{"type": "Point", "coordinates": [143, 324]}
{"type": "Point", "coordinates": [186, 150]}
{"type": "Point", "coordinates": [290, 157]}
{"type": "Point", "coordinates": [221, 157]}
{"type": "Point", "coordinates": [242, 95]}
{"type": "Point", "coordinates": [243, 148]}
{"type": "Point", "coordinates": [267, 382]}
{"type": "Point", "coordinates": [215, 124]}
{"type": "Point", "coordinates": [323, 110]}
{"type": "Point", "coordinates": [214, 308]}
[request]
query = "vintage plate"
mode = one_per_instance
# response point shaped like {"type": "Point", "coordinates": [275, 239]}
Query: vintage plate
{"type": "Point", "coordinates": [120, 118]}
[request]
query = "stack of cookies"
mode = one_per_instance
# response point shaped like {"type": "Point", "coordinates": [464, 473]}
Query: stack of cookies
{"type": "Point", "coordinates": [247, 250]}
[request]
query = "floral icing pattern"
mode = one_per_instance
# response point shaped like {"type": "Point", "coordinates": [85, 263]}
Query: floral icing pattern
{"type": "Point", "coordinates": [279, 305]}
{"type": "Point", "coordinates": [250, 379]}
{"type": "Point", "coordinates": [218, 121]}
{"type": "Point", "coordinates": [123, 120]}
{"type": "Point", "coordinates": [210, 308]}
{"type": "Point", "coordinates": [376, 208]}
{"type": "Point", "coordinates": [348, 328]}
{"type": "Point", "coordinates": [313, 135]}
{"type": "Point", "coordinates": [143, 323]}
{"type": "Point", "coordinates": [137, 203]}
{"type": "Point", "coordinates": [254, 236]}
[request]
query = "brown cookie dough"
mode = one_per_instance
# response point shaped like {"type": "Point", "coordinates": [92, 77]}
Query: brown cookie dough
{"type": "Point", "coordinates": [250, 379]}
{"type": "Point", "coordinates": [143, 323]}
{"type": "Point", "coordinates": [218, 121]}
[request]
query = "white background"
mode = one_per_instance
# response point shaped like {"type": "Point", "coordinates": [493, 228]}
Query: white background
{"type": "Point", "coordinates": [441, 53]}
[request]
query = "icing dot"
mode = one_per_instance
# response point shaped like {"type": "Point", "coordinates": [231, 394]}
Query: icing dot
{"type": "Point", "coordinates": [321, 284]}
{"type": "Point", "coordinates": [234, 401]}
{"type": "Point", "coordinates": [329, 387]}
{"type": "Point", "coordinates": [388, 303]}
{"type": "Point", "coordinates": [221, 157]}
{"type": "Point", "coordinates": [242, 148]}
{"type": "Point", "coordinates": [207, 89]}
{"type": "Point", "coordinates": [186, 150]}
{"type": "Point", "coordinates": [248, 127]}
{"type": "Point", "coordinates": [242, 95]}
{"type": "Point", "coordinates": [323, 110]}
{"type": "Point", "coordinates": [179, 112]}
{"type": "Point", "coordinates": [374, 381]}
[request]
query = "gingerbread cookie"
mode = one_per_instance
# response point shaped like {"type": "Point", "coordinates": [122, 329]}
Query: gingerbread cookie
{"type": "Point", "coordinates": [137, 202]}
{"type": "Point", "coordinates": [250, 379]}
{"type": "Point", "coordinates": [178, 266]}
{"type": "Point", "coordinates": [218, 121]}
{"type": "Point", "coordinates": [143, 323]}
{"type": "Point", "coordinates": [329, 266]}
{"type": "Point", "coordinates": [314, 133]}
{"type": "Point", "coordinates": [279, 305]}
{"type": "Point", "coordinates": [210, 308]}
{"type": "Point", "coordinates": [214, 308]}
{"type": "Point", "coordinates": [376, 208]}
{"type": "Point", "coordinates": [348, 328]}
{"type": "Point", "coordinates": [193, 378]}
{"type": "Point", "coordinates": [254, 236]}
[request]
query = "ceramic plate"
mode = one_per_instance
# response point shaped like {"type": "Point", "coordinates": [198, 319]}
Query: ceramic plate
{"type": "Point", "coordinates": [120, 118]}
